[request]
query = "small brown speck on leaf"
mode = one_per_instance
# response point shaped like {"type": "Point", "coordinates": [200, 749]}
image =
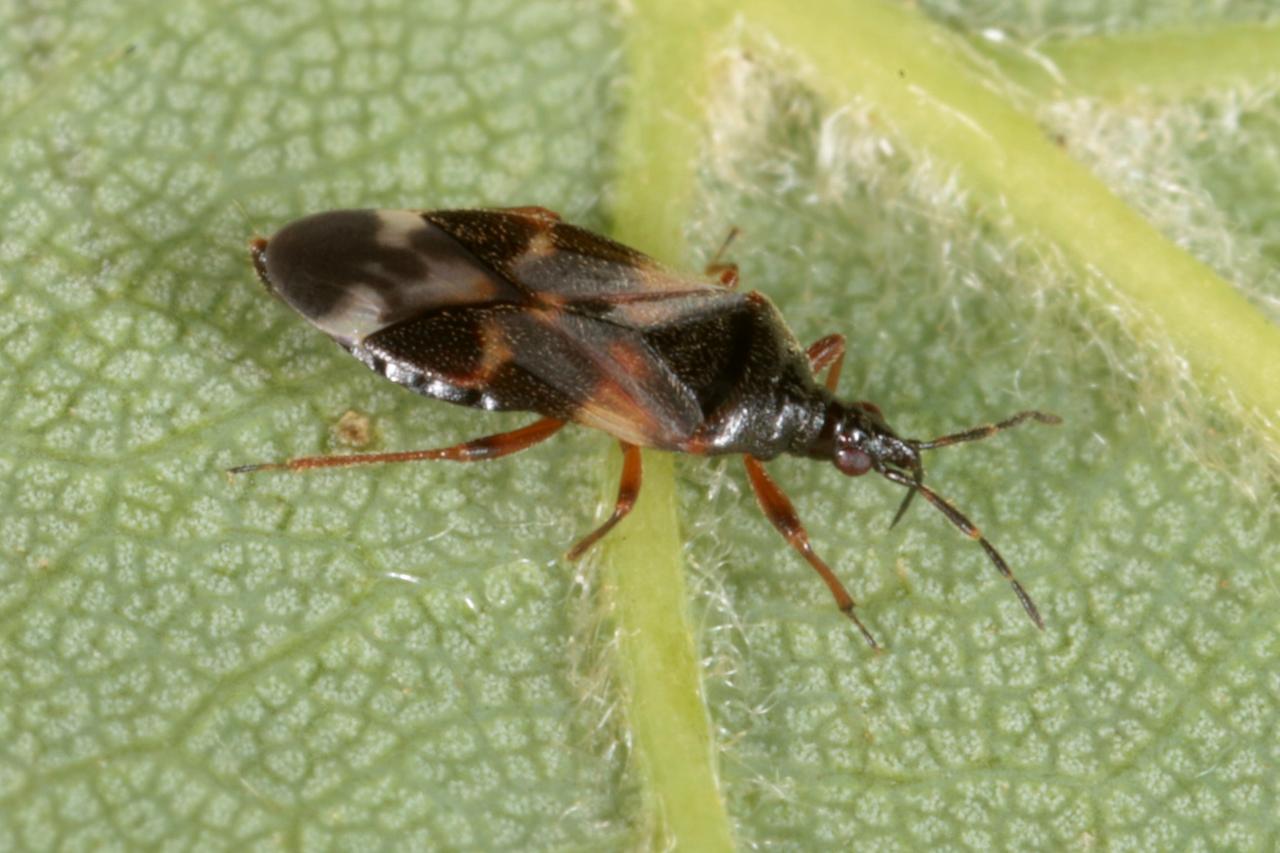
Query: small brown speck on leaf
{"type": "Point", "coordinates": [354, 429]}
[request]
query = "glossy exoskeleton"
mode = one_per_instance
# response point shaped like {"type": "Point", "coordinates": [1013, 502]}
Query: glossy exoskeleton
{"type": "Point", "coordinates": [514, 309]}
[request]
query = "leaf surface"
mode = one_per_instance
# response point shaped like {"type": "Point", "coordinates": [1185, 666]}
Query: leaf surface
{"type": "Point", "coordinates": [401, 657]}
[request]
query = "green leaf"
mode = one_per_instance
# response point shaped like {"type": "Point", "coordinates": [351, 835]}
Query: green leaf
{"type": "Point", "coordinates": [401, 656]}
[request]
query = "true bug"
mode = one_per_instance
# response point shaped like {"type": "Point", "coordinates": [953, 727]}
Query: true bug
{"type": "Point", "coordinates": [514, 309]}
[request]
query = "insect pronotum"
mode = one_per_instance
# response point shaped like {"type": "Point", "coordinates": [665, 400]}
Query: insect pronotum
{"type": "Point", "coordinates": [514, 309]}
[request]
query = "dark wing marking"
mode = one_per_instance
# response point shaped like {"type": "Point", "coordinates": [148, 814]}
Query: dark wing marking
{"type": "Point", "coordinates": [464, 355]}
{"type": "Point", "coordinates": [555, 362]}
{"type": "Point", "coordinates": [354, 272]}
{"type": "Point", "coordinates": [557, 262]}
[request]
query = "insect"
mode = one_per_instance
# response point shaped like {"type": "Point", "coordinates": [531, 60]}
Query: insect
{"type": "Point", "coordinates": [514, 309]}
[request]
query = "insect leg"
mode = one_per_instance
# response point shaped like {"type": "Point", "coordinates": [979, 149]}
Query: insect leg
{"type": "Point", "coordinates": [534, 211]}
{"type": "Point", "coordinates": [827, 351]}
{"type": "Point", "coordinates": [726, 271]}
{"type": "Point", "coordinates": [968, 528]}
{"type": "Point", "coordinates": [778, 509]}
{"type": "Point", "coordinates": [628, 490]}
{"type": "Point", "coordinates": [488, 447]}
{"type": "Point", "coordinates": [987, 430]}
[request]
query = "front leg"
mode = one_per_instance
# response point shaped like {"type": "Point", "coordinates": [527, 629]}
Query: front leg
{"type": "Point", "coordinates": [778, 509]}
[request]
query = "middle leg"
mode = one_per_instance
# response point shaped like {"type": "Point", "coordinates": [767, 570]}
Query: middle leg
{"type": "Point", "coordinates": [828, 351]}
{"type": "Point", "coordinates": [628, 491]}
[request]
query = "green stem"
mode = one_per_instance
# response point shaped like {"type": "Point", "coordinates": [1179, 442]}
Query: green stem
{"type": "Point", "coordinates": [925, 82]}
{"type": "Point", "coordinates": [922, 79]}
{"type": "Point", "coordinates": [643, 572]}
{"type": "Point", "coordinates": [1170, 63]}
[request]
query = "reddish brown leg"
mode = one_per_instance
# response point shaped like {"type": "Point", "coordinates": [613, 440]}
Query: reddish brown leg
{"type": "Point", "coordinates": [726, 271]}
{"type": "Point", "coordinates": [778, 509]}
{"type": "Point", "coordinates": [628, 491]}
{"type": "Point", "coordinates": [535, 211]}
{"type": "Point", "coordinates": [489, 447]}
{"type": "Point", "coordinates": [828, 351]}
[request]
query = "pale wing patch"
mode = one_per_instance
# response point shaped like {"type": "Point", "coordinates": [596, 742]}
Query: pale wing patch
{"type": "Point", "coordinates": [397, 228]}
{"type": "Point", "coordinates": [443, 279]}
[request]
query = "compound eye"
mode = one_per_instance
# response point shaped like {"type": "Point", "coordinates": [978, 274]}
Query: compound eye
{"type": "Point", "coordinates": [852, 461]}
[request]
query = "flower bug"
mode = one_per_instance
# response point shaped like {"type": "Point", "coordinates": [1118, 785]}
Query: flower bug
{"type": "Point", "coordinates": [513, 309]}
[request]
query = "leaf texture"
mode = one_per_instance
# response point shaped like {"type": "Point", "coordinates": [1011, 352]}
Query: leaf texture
{"type": "Point", "coordinates": [401, 658]}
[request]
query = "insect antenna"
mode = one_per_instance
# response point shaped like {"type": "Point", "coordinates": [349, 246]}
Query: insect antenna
{"type": "Point", "coordinates": [986, 430]}
{"type": "Point", "coordinates": [967, 527]}
{"type": "Point", "coordinates": [974, 434]}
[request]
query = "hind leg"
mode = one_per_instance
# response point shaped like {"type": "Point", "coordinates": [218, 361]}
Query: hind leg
{"type": "Point", "coordinates": [778, 509]}
{"type": "Point", "coordinates": [488, 447]}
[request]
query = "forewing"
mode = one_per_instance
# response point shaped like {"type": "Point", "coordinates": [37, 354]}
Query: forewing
{"type": "Point", "coordinates": [510, 310]}
{"type": "Point", "coordinates": [355, 272]}
{"type": "Point", "coordinates": [618, 382]}
{"type": "Point", "coordinates": [556, 262]}
{"type": "Point", "coordinates": [551, 361]}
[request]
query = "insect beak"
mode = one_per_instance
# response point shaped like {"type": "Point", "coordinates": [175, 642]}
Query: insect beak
{"type": "Point", "coordinates": [916, 468]}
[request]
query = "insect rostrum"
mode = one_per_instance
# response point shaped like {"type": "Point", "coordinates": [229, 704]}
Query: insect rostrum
{"type": "Point", "coordinates": [514, 309]}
